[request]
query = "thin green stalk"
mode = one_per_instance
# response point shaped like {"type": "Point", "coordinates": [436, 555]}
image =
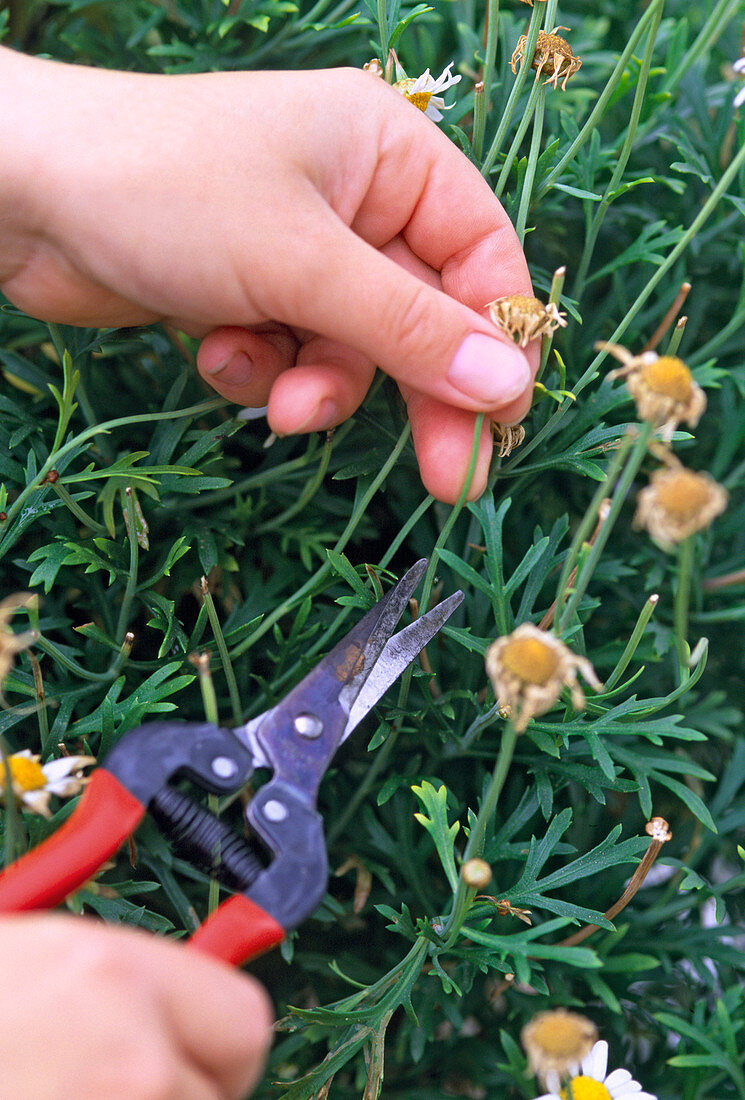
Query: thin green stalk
{"type": "Point", "coordinates": [554, 298]}
{"type": "Point", "coordinates": [509, 161]}
{"type": "Point", "coordinates": [504, 123]}
{"type": "Point", "coordinates": [80, 514]}
{"type": "Point", "coordinates": [134, 557]}
{"type": "Point", "coordinates": [682, 601]}
{"type": "Point", "coordinates": [634, 461]}
{"type": "Point", "coordinates": [41, 705]}
{"type": "Point", "coordinates": [222, 649]}
{"type": "Point", "coordinates": [311, 488]}
{"type": "Point", "coordinates": [631, 646]}
{"type": "Point", "coordinates": [377, 766]}
{"type": "Point", "coordinates": [13, 831]}
{"type": "Point", "coordinates": [209, 702]}
{"type": "Point", "coordinates": [320, 573]}
{"type": "Point", "coordinates": [622, 159]}
{"type": "Point", "coordinates": [533, 154]}
{"type": "Point", "coordinates": [605, 96]}
{"type": "Point", "coordinates": [67, 662]}
{"type": "Point", "coordinates": [675, 337]}
{"type": "Point", "coordinates": [590, 519]}
{"type": "Point", "coordinates": [475, 845]}
{"type": "Point", "coordinates": [482, 91]}
{"type": "Point", "coordinates": [382, 12]}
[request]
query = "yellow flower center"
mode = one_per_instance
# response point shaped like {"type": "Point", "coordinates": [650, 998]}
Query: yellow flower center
{"type": "Point", "coordinates": [522, 301]}
{"type": "Point", "coordinates": [669, 377]}
{"type": "Point", "coordinates": [531, 659]}
{"type": "Point", "coordinates": [26, 774]}
{"type": "Point", "coordinates": [585, 1088]}
{"type": "Point", "coordinates": [419, 99]}
{"type": "Point", "coordinates": [560, 1034]}
{"type": "Point", "coordinates": [552, 44]}
{"type": "Point", "coordinates": [685, 494]}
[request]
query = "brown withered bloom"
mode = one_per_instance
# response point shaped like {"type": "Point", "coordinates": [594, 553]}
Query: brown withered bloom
{"type": "Point", "coordinates": [553, 57]}
{"type": "Point", "coordinates": [11, 643]}
{"type": "Point", "coordinates": [677, 503]}
{"type": "Point", "coordinates": [507, 438]}
{"type": "Point", "coordinates": [528, 670]}
{"type": "Point", "coordinates": [556, 1042]}
{"type": "Point", "coordinates": [476, 873]}
{"type": "Point", "coordinates": [662, 387]}
{"type": "Point", "coordinates": [525, 318]}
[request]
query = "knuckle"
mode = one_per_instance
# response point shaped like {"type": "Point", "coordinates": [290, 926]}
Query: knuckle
{"type": "Point", "coordinates": [411, 321]}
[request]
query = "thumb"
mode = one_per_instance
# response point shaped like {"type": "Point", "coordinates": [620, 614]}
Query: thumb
{"type": "Point", "coordinates": [419, 335]}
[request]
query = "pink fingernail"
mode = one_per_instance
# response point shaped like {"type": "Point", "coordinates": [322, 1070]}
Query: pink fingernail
{"type": "Point", "coordinates": [325, 415]}
{"type": "Point", "coordinates": [489, 371]}
{"type": "Point", "coordinates": [235, 371]}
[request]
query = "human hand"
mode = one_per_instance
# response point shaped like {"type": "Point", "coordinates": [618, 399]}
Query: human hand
{"type": "Point", "coordinates": [93, 1011]}
{"type": "Point", "coordinates": [307, 220]}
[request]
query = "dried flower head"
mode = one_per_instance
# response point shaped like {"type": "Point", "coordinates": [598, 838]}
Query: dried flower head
{"type": "Point", "coordinates": [476, 873]}
{"type": "Point", "coordinates": [11, 643]}
{"type": "Point", "coordinates": [507, 438]}
{"type": "Point", "coordinates": [677, 502]}
{"type": "Point", "coordinates": [662, 387]}
{"type": "Point", "coordinates": [424, 91]}
{"type": "Point", "coordinates": [556, 1042]}
{"type": "Point", "coordinates": [525, 318]}
{"type": "Point", "coordinates": [553, 56]}
{"type": "Point", "coordinates": [373, 67]}
{"type": "Point", "coordinates": [33, 784]}
{"type": "Point", "coordinates": [528, 670]}
{"type": "Point", "coordinates": [595, 1083]}
{"type": "Point", "coordinates": [658, 829]}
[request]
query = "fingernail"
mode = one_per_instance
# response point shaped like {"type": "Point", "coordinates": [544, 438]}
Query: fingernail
{"type": "Point", "coordinates": [235, 371]}
{"type": "Point", "coordinates": [488, 371]}
{"type": "Point", "coordinates": [325, 415]}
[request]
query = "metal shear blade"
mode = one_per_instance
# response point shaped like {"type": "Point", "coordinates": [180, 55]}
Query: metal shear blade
{"type": "Point", "coordinates": [364, 664]}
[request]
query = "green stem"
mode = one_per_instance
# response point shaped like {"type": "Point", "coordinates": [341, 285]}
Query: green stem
{"type": "Point", "coordinates": [589, 520]}
{"type": "Point", "coordinates": [313, 582]}
{"type": "Point", "coordinates": [12, 823]}
{"type": "Point", "coordinates": [222, 649]}
{"type": "Point", "coordinates": [675, 337]}
{"type": "Point", "coordinates": [622, 159]}
{"type": "Point", "coordinates": [209, 702]}
{"type": "Point", "coordinates": [631, 646]}
{"type": "Point", "coordinates": [533, 154]}
{"type": "Point", "coordinates": [532, 37]}
{"type": "Point", "coordinates": [618, 499]}
{"type": "Point", "coordinates": [475, 846]}
{"type": "Point", "coordinates": [554, 298]}
{"type": "Point", "coordinates": [509, 161]}
{"type": "Point", "coordinates": [93, 525]}
{"type": "Point", "coordinates": [682, 602]}
{"type": "Point", "coordinates": [311, 488]}
{"type": "Point", "coordinates": [134, 555]}
{"type": "Point", "coordinates": [482, 98]}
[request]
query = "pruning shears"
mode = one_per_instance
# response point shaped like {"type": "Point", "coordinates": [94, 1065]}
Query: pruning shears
{"type": "Point", "coordinates": [281, 881]}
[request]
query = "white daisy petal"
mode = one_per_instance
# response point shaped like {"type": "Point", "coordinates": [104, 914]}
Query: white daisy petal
{"type": "Point", "coordinates": [548, 1096]}
{"type": "Point", "coordinates": [60, 769]}
{"type": "Point", "coordinates": [618, 1077]}
{"type": "Point", "coordinates": [631, 1088]}
{"type": "Point", "coordinates": [596, 1062]}
{"type": "Point", "coordinates": [739, 65]}
{"type": "Point", "coordinates": [739, 98]}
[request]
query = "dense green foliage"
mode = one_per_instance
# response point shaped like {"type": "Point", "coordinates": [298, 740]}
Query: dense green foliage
{"type": "Point", "coordinates": [633, 180]}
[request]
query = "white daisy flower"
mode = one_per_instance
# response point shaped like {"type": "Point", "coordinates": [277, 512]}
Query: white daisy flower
{"type": "Point", "coordinates": [423, 91]}
{"type": "Point", "coordinates": [739, 67]}
{"type": "Point", "coordinates": [33, 784]}
{"type": "Point", "coordinates": [595, 1083]}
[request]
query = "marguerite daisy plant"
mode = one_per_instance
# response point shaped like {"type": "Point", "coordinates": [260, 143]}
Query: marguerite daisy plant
{"type": "Point", "coordinates": [595, 1083]}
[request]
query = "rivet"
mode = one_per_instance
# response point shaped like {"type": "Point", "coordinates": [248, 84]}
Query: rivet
{"type": "Point", "coordinates": [224, 767]}
{"type": "Point", "coordinates": [275, 811]}
{"type": "Point", "coordinates": [308, 725]}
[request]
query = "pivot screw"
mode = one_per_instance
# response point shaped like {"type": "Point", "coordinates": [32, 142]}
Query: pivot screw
{"type": "Point", "coordinates": [224, 767]}
{"type": "Point", "coordinates": [275, 811]}
{"type": "Point", "coordinates": [308, 725]}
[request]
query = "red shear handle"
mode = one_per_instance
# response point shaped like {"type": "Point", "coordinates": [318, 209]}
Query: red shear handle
{"type": "Point", "coordinates": [237, 931]}
{"type": "Point", "coordinates": [105, 816]}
